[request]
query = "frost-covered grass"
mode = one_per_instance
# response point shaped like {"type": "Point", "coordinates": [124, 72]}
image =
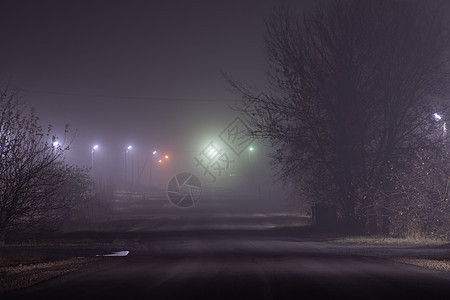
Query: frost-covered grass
{"type": "Point", "coordinates": [382, 240]}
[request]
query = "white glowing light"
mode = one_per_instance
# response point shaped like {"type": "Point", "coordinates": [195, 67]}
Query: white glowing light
{"type": "Point", "coordinates": [95, 147]}
{"type": "Point", "coordinates": [130, 147]}
{"type": "Point", "coordinates": [154, 152]}
{"type": "Point", "coordinates": [55, 144]}
{"type": "Point", "coordinates": [212, 152]}
{"type": "Point", "coordinates": [437, 116]}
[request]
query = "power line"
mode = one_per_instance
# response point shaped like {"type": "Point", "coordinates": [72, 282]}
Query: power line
{"type": "Point", "coordinates": [125, 97]}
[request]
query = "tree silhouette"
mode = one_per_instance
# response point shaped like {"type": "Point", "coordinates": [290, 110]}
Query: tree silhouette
{"type": "Point", "coordinates": [353, 88]}
{"type": "Point", "coordinates": [37, 187]}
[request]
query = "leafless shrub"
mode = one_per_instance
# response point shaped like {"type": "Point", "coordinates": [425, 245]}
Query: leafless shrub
{"type": "Point", "coordinates": [37, 187]}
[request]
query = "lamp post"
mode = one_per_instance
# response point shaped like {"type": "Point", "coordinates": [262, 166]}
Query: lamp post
{"type": "Point", "coordinates": [151, 166]}
{"type": "Point", "coordinates": [92, 162]}
{"type": "Point", "coordinates": [129, 148]}
{"type": "Point", "coordinates": [438, 117]}
{"type": "Point", "coordinates": [251, 178]}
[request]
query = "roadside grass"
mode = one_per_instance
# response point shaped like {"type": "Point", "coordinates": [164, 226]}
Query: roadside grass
{"type": "Point", "coordinates": [19, 259]}
{"type": "Point", "coordinates": [382, 240]}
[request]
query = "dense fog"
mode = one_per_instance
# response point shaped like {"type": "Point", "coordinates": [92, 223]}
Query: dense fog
{"type": "Point", "coordinates": [145, 74]}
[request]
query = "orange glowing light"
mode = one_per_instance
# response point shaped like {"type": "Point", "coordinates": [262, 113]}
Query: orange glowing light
{"type": "Point", "coordinates": [167, 156]}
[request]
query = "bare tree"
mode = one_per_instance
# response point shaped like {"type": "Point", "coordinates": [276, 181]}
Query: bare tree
{"type": "Point", "coordinates": [37, 187]}
{"type": "Point", "coordinates": [354, 85]}
{"type": "Point", "coordinates": [420, 197]}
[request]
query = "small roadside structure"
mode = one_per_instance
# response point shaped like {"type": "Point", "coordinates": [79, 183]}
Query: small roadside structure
{"type": "Point", "coordinates": [324, 216]}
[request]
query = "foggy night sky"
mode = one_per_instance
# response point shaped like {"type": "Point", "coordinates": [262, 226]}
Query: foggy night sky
{"type": "Point", "coordinates": [155, 64]}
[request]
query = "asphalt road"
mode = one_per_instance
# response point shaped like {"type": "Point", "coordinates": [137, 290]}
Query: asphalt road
{"type": "Point", "coordinates": [210, 255]}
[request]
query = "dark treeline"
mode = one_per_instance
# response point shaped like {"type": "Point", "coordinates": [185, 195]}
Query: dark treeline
{"type": "Point", "coordinates": [355, 112]}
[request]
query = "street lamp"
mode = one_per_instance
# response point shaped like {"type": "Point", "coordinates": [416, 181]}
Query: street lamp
{"type": "Point", "coordinates": [438, 117]}
{"type": "Point", "coordinates": [151, 166]}
{"type": "Point", "coordinates": [212, 151]}
{"type": "Point", "coordinates": [251, 172]}
{"type": "Point", "coordinates": [92, 163]}
{"type": "Point", "coordinates": [250, 149]}
{"type": "Point", "coordinates": [129, 148]}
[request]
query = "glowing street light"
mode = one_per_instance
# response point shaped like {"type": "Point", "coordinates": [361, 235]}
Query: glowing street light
{"type": "Point", "coordinates": [92, 165]}
{"type": "Point", "coordinates": [151, 166]}
{"type": "Point", "coordinates": [212, 151]}
{"type": "Point", "coordinates": [437, 116]}
{"type": "Point", "coordinates": [163, 158]}
{"type": "Point", "coordinates": [251, 149]}
{"type": "Point", "coordinates": [128, 165]}
{"type": "Point", "coordinates": [55, 144]}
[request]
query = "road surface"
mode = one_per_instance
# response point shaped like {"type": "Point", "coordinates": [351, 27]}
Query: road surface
{"type": "Point", "coordinates": [184, 255]}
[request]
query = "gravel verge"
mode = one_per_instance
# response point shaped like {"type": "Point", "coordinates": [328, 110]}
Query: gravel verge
{"type": "Point", "coordinates": [441, 265]}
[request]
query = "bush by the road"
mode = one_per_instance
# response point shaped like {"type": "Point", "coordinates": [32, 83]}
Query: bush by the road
{"type": "Point", "coordinates": [38, 188]}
